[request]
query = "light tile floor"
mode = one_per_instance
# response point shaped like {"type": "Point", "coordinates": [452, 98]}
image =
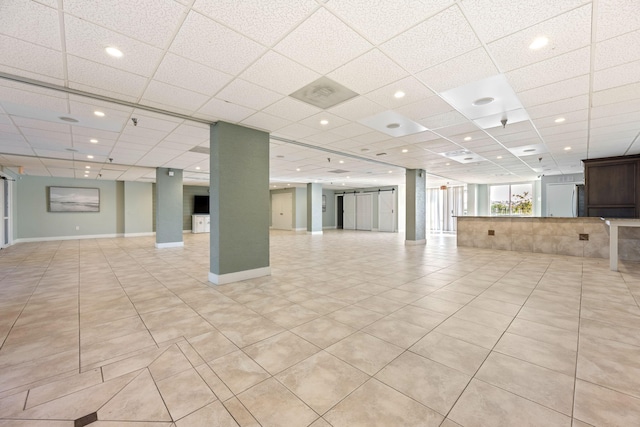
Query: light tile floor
{"type": "Point", "coordinates": [352, 329]}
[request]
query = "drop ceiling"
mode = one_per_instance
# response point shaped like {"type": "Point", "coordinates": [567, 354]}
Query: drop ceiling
{"type": "Point", "coordinates": [186, 64]}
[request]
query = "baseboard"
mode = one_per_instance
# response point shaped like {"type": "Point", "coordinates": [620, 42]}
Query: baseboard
{"type": "Point", "coordinates": [145, 234]}
{"type": "Point", "coordinates": [223, 279]}
{"type": "Point", "coordinates": [169, 245]}
{"type": "Point", "coordinates": [315, 233]}
{"type": "Point", "coordinates": [415, 242]}
{"type": "Point", "coordinates": [82, 237]}
{"type": "Point", "coordinates": [300, 229]}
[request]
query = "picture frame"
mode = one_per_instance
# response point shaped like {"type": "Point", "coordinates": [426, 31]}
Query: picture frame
{"type": "Point", "coordinates": [73, 199]}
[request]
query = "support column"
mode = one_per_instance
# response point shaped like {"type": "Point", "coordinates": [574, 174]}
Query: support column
{"type": "Point", "coordinates": [314, 208]}
{"type": "Point", "coordinates": [416, 207]}
{"type": "Point", "coordinates": [168, 208]}
{"type": "Point", "coordinates": [238, 203]}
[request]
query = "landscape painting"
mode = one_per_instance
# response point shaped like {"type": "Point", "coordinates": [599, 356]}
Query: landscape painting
{"type": "Point", "coordinates": [73, 199]}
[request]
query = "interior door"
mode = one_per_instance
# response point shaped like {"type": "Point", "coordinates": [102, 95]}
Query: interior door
{"type": "Point", "coordinates": [561, 200]}
{"type": "Point", "coordinates": [339, 213]}
{"type": "Point", "coordinates": [349, 212]}
{"type": "Point", "coordinates": [386, 211]}
{"type": "Point", "coordinates": [364, 212]}
{"type": "Point", "coordinates": [281, 211]}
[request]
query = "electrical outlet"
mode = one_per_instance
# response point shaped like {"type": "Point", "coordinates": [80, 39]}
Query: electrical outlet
{"type": "Point", "coordinates": [492, 232]}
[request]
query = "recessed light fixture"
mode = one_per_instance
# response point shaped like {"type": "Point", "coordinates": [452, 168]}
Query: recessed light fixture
{"type": "Point", "coordinates": [197, 168]}
{"type": "Point", "coordinates": [87, 167]}
{"type": "Point", "coordinates": [539, 43]}
{"type": "Point", "coordinates": [483, 101]}
{"type": "Point", "coordinates": [114, 51]}
{"type": "Point", "coordinates": [567, 148]}
{"type": "Point", "coordinates": [288, 185]}
{"type": "Point", "coordinates": [467, 138]}
{"type": "Point", "coordinates": [348, 177]}
{"type": "Point", "coordinates": [324, 122]}
{"type": "Point", "coordinates": [343, 183]}
{"type": "Point", "coordinates": [529, 150]}
{"type": "Point", "coordinates": [399, 94]}
{"type": "Point", "coordinates": [93, 141]}
{"type": "Point", "coordinates": [404, 150]}
{"type": "Point", "coordinates": [297, 169]}
{"type": "Point", "coordinates": [559, 120]}
{"type": "Point", "coordinates": [98, 113]}
{"type": "Point", "coordinates": [390, 171]}
{"type": "Point", "coordinates": [89, 156]}
{"type": "Point", "coordinates": [341, 161]}
{"type": "Point", "coordinates": [499, 157]}
{"type": "Point", "coordinates": [447, 164]}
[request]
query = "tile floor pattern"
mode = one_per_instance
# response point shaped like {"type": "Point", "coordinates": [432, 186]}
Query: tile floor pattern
{"type": "Point", "coordinates": [351, 329]}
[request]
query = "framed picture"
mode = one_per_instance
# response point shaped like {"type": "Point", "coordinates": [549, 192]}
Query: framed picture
{"type": "Point", "coordinates": [74, 199]}
{"type": "Point", "coordinates": [324, 203]}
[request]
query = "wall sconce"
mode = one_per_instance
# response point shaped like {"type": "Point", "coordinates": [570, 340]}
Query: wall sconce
{"type": "Point", "coordinates": [170, 173]}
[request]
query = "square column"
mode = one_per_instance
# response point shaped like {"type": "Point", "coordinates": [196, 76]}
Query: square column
{"type": "Point", "coordinates": [238, 203]}
{"type": "Point", "coordinates": [168, 208]}
{"type": "Point", "coordinates": [314, 208]}
{"type": "Point", "coordinates": [416, 207]}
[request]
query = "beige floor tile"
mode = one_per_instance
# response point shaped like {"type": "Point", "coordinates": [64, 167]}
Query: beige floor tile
{"type": "Point", "coordinates": [109, 330]}
{"type": "Point", "coordinates": [448, 423]}
{"type": "Point", "coordinates": [600, 406]}
{"type": "Point", "coordinates": [380, 305]}
{"type": "Point", "coordinates": [250, 331]}
{"type": "Point", "coordinates": [36, 423]}
{"type": "Point", "coordinates": [238, 371]}
{"type": "Point", "coordinates": [212, 345]}
{"type": "Point", "coordinates": [391, 408]}
{"type": "Point", "coordinates": [356, 317]}
{"type": "Point", "coordinates": [430, 383]}
{"type": "Point", "coordinates": [452, 296]}
{"type": "Point", "coordinates": [281, 351]}
{"type": "Point", "coordinates": [169, 363]}
{"type": "Point", "coordinates": [471, 332]}
{"type": "Point", "coordinates": [483, 405]}
{"type": "Point", "coordinates": [544, 386]}
{"type": "Point", "coordinates": [538, 352]}
{"type": "Point", "coordinates": [397, 332]}
{"type": "Point", "coordinates": [104, 350]}
{"type": "Point", "coordinates": [57, 389]}
{"type": "Point", "coordinates": [240, 414]}
{"type": "Point", "coordinates": [130, 364]}
{"type": "Point", "coordinates": [323, 304]}
{"type": "Point", "coordinates": [545, 333]}
{"type": "Point", "coordinates": [484, 317]}
{"type": "Point", "coordinates": [365, 352]}
{"type": "Point", "coordinates": [188, 327]}
{"type": "Point", "coordinates": [548, 318]}
{"type": "Point", "coordinates": [424, 318]}
{"type": "Point", "coordinates": [214, 382]}
{"type": "Point", "coordinates": [214, 414]}
{"type": "Point", "coordinates": [610, 331]}
{"type": "Point", "coordinates": [322, 380]}
{"type": "Point", "coordinates": [185, 393]}
{"type": "Point", "coordinates": [38, 369]}
{"type": "Point", "coordinates": [273, 405]}
{"type": "Point", "coordinates": [438, 305]}
{"type": "Point", "coordinates": [401, 296]}
{"type": "Point", "coordinates": [268, 304]}
{"type": "Point", "coordinates": [494, 305]}
{"type": "Point", "coordinates": [451, 352]}
{"type": "Point", "coordinates": [323, 331]}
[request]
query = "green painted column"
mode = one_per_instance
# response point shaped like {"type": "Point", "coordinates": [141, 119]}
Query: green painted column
{"type": "Point", "coordinates": [416, 207]}
{"type": "Point", "coordinates": [169, 208]}
{"type": "Point", "coordinates": [314, 208]}
{"type": "Point", "coordinates": [239, 203]}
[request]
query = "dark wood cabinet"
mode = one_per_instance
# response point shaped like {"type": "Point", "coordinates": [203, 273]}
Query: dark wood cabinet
{"type": "Point", "coordinates": [611, 187]}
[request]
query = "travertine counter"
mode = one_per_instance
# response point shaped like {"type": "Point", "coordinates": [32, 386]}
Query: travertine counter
{"type": "Point", "coordinates": [547, 235]}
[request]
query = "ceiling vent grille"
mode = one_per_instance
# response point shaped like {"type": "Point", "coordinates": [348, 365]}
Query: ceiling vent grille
{"type": "Point", "coordinates": [323, 93]}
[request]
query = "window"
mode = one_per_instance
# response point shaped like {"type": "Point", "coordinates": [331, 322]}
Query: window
{"type": "Point", "coordinates": [511, 199]}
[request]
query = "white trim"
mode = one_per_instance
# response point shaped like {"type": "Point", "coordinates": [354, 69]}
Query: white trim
{"type": "Point", "coordinates": [85, 236]}
{"type": "Point", "coordinates": [300, 229]}
{"type": "Point", "coordinates": [415, 242]}
{"type": "Point", "coordinates": [329, 227]}
{"type": "Point", "coordinates": [169, 245]}
{"type": "Point", "coordinates": [314, 232]}
{"type": "Point", "coordinates": [223, 279]}
{"type": "Point", "coordinates": [146, 233]}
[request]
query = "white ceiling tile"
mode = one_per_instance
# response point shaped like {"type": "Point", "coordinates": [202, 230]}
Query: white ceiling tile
{"type": "Point", "coordinates": [429, 107]}
{"type": "Point", "coordinates": [574, 118]}
{"type": "Point", "coordinates": [432, 41]}
{"type": "Point", "coordinates": [497, 18]}
{"type": "Point", "coordinates": [476, 64]}
{"type": "Point", "coordinates": [263, 21]}
{"type": "Point", "coordinates": [357, 108]}
{"type": "Point", "coordinates": [616, 17]}
{"type": "Point", "coordinates": [322, 139]}
{"type": "Point", "coordinates": [578, 86]}
{"type": "Point", "coordinates": [104, 92]}
{"type": "Point", "coordinates": [618, 50]}
{"type": "Point", "coordinates": [41, 124]}
{"type": "Point", "coordinates": [207, 42]}
{"type": "Point", "coordinates": [107, 78]}
{"type": "Point", "coordinates": [350, 130]}
{"type": "Point", "coordinates": [314, 121]}
{"type": "Point", "coordinates": [87, 40]}
{"type": "Point", "coordinates": [380, 20]}
{"type": "Point", "coordinates": [24, 150]}
{"type": "Point", "coordinates": [616, 76]}
{"type": "Point", "coordinates": [413, 89]}
{"type": "Point", "coordinates": [615, 109]}
{"type": "Point", "coordinates": [182, 72]}
{"type": "Point", "coordinates": [567, 32]}
{"type": "Point", "coordinates": [278, 73]}
{"type": "Point", "coordinates": [265, 121]}
{"type": "Point", "coordinates": [295, 131]}
{"type": "Point", "coordinates": [368, 72]}
{"type": "Point", "coordinates": [150, 21]}
{"type": "Point", "coordinates": [291, 109]}
{"type": "Point", "coordinates": [31, 58]}
{"type": "Point", "coordinates": [176, 97]}
{"type": "Point", "coordinates": [629, 92]}
{"type": "Point", "coordinates": [323, 43]}
{"type": "Point", "coordinates": [30, 21]}
{"type": "Point", "coordinates": [440, 120]}
{"type": "Point", "coordinates": [216, 109]}
{"type": "Point", "coordinates": [247, 94]}
{"type": "Point", "coordinates": [552, 70]}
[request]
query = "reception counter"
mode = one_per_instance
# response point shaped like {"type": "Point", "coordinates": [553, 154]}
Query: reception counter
{"type": "Point", "coordinates": [584, 237]}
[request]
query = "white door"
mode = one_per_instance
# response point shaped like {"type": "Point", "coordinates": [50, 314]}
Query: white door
{"type": "Point", "coordinates": [386, 211]}
{"type": "Point", "coordinates": [561, 200]}
{"type": "Point", "coordinates": [349, 212]}
{"type": "Point", "coordinates": [281, 211]}
{"type": "Point", "coordinates": [364, 212]}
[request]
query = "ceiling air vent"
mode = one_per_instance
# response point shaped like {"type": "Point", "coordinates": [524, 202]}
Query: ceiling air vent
{"type": "Point", "coordinates": [323, 93]}
{"type": "Point", "coordinates": [201, 150]}
{"type": "Point", "coordinates": [338, 171]}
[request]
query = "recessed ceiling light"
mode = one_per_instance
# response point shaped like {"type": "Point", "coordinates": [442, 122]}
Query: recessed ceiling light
{"type": "Point", "coordinates": [399, 94]}
{"type": "Point", "coordinates": [364, 150]}
{"type": "Point", "coordinates": [280, 156]}
{"type": "Point", "coordinates": [529, 150]}
{"type": "Point", "coordinates": [343, 183]}
{"type": "Point", "coordinates": [404, 150]}
{"type": "Point", "coordinates": [539, 43]}
{"type": "Point", "coordinates": [559, 120]}
{"type": "Point", "coordinates": [567, 148]}
{"type": "Point", "coordinates": [483, 101]}
{"type": "Point", "coordinates": [89, 156]}
{"type": "Point", "coordinates": [390, 171]}
{"type": "Point", "coordinates": [114, 51]}
{"type": "Point", "coordinates": [87, 167]}
{"type": "Point", "coordinates": [288, 185]}
{"type": "Point", "coordinates": [197, 168]}
{"type": "Point", "coordinates": [467, 138]}
{"type": "Point", "coordinates": [499, 157]}
{"type": "Point", "coordinates": [324, 122]}
{"type": "Point", "coordinates": [341, 161]}
{"type": "Point", "coordinates": [348, 177]}
{"type": "Point", "coordinates": [447, 164]}
{"type": "Point", "coordinates": [468, 158]}
{"type": "Point", "coordinates": [93, 141]}
{"type": "Point", "coordinates": [98, 113]}
{"type": "Point", "coordinates": [298, 169]}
